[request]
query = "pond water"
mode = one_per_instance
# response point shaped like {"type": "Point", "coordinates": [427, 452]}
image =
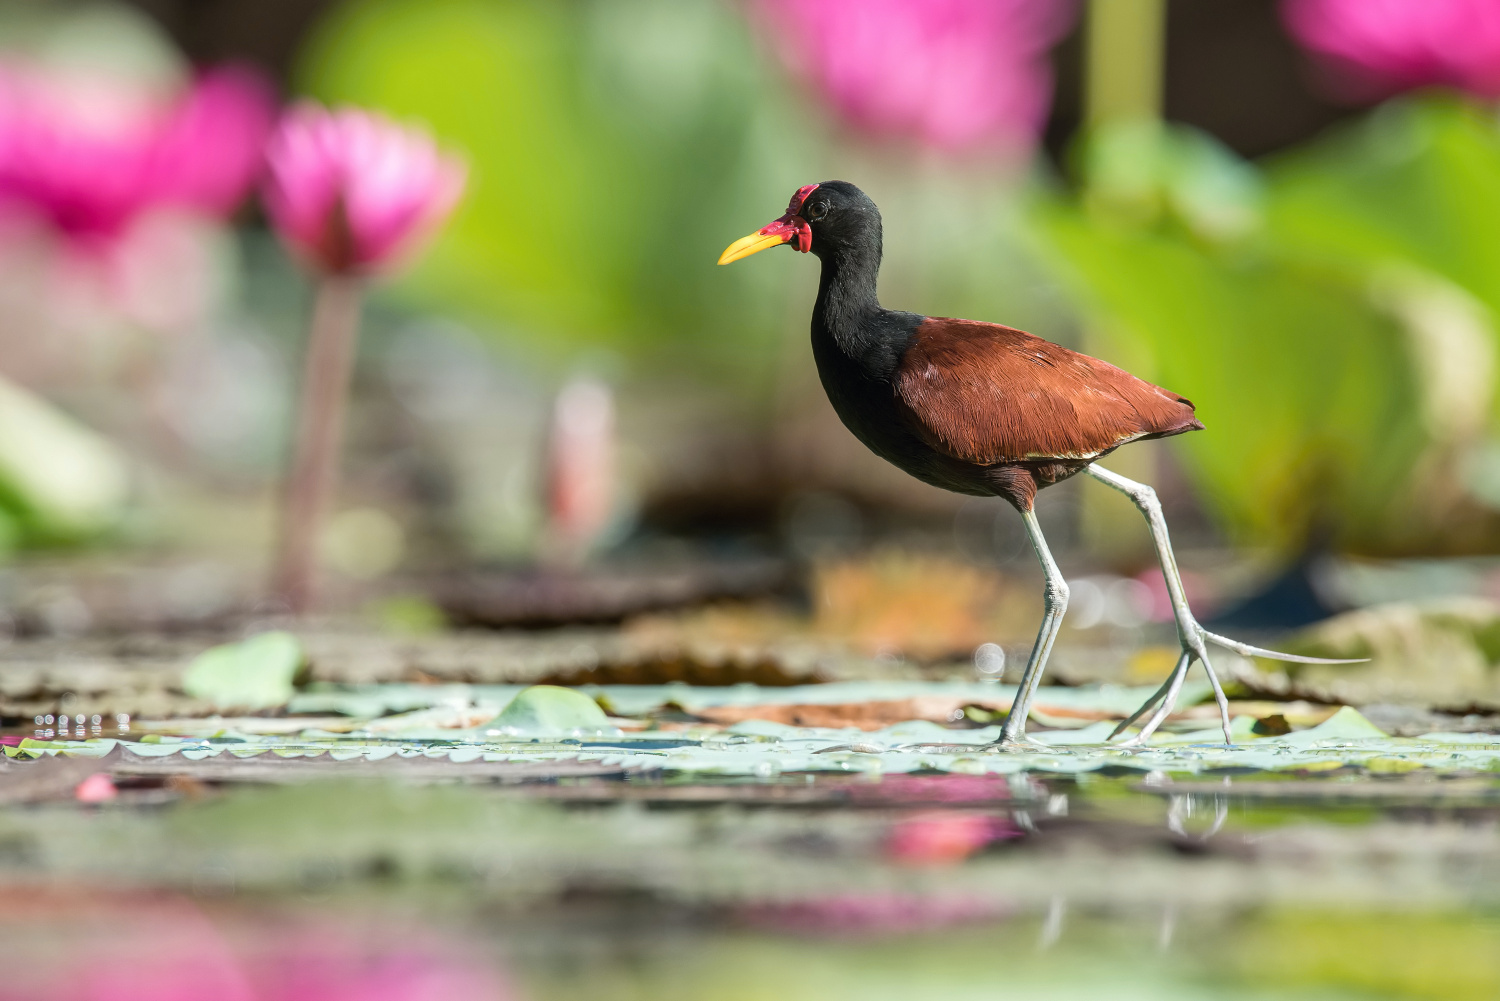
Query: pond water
{"type": "Point", "coordinates": [411, 858]}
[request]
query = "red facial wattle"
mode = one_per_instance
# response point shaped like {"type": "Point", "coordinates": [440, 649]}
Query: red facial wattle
{"type": "Point", "coordinates": [790, 228]}
{"type": "Point", "coordinates": [795, 205]}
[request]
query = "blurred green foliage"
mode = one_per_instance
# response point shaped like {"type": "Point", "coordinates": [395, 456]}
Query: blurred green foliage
{"type": "Point", "coordinates": [1328, 311]}
{"type": "Point", "coordinates": [1415, 181]}
{"type": "Point", "coordinates": [614, 149]}
{"type": "Point", "coordinates": [617, 146]}
{"type": "Point", "coordinates": [1322, 311]}
{"type": "Point", "coordinates": [60, 482]}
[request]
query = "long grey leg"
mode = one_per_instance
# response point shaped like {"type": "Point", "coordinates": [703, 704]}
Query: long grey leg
{"type": "Point", "coordinates": [1188, 630]}
{"type": "Point", "coordinates": [1194, 638]}
{"type": "Point", "coordinates": [1055, 603]}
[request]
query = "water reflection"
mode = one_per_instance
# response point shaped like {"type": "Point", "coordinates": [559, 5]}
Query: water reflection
{"type": "Point", "coordinates": [134, 947]}
{"type": "Point", "coordinates": [1182, 808]}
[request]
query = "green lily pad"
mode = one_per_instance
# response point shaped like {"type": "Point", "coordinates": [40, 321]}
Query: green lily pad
{"type": "Point", "coordinates": [550, 709]}
{"type": "Point", "coordinates": [255, 673]}
{"type": "Point", "coordinates": [1344, 725]}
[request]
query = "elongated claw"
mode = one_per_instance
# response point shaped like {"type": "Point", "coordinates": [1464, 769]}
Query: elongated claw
{"type": "Point", "coordinates": [1246, 650]}
{"type": "Point", "coordinates": [1195, 638]}
{"type": "Point", "coordinates": [1169, 700]}
{"type": "Point", "coordinates": [1193, 649]}
{"type": "Point", "coordinates": [1143, 710]}
{"type": "Point", "coordinates": [1219, 696]}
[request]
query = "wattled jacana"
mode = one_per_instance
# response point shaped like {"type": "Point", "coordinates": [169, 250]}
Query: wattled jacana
{"type": "Point", "coordinates": [984, 409]}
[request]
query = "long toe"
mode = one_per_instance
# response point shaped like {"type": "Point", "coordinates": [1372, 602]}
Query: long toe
{"type": "Point", "coordinates": [1247, 650]}
{"type": "Point", "coordinates": [1143, 710]}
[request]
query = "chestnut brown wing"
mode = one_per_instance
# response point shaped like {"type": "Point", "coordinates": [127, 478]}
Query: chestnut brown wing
{"type": "Point", "coordinates": [987, 394]}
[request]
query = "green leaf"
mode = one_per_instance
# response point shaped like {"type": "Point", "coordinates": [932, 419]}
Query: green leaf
{"type": "Point", "coordinates": [256, 673]}
{"type": "Point", "coordinates": [1344, 725]}
{"type": "Point", "coordinates": [1305, 388]}
{"type": "Point", "coordinates": [1416, 182]}
{"type": "Point", "coordinates": [550, 709]}
{"type": "Point", "coordinates": [614, 149]}
{"type": "Point", "coordinates": [1308, 378]}
{"type": "Point", "coordinates": [58, 478]}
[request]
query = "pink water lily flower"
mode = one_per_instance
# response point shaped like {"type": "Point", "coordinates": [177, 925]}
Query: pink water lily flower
{"type": "Point", "coordinates": [1375, 48]}
{"type": "Point", "coordinates": [89, 155]}
{"type": "Point", "coordinates": [953, 74]}
{"type": "Point", "coordinates": [943, 838]}
{"type": "Point", "coordinates": [351, 191]}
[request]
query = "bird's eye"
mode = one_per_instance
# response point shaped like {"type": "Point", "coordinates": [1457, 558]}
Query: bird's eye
{"type": "Point", "coordinates": [816, 211]}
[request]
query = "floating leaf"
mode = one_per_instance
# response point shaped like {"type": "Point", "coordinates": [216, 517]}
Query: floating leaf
{"type": "Point", "coordinates": [255, 673]}
{"type": "Point", "coordinates": [551, 709]}
{"type": "Point", "coordinates": [1345, 725]}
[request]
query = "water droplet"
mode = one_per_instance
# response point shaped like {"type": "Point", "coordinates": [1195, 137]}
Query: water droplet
{"type": "Point", "coordinates": [989, 658]}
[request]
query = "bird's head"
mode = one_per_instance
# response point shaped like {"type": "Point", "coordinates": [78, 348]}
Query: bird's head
{"type": "Point", "coordinates": [820, 217]}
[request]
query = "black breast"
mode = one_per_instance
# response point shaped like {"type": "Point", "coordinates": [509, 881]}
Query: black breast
{"type": "Point", "coordinates": [859, 385]}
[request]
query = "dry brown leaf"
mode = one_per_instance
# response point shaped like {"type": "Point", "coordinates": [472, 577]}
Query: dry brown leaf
{"type": "Point", "coordinates": [874, 715]}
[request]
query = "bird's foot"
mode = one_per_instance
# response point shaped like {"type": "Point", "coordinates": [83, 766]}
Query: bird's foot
{"type": "Point", "coordinates": [1015, 738]}
{"type": "Point", "coordinates": [1019, 743]}
{"type": "Point", "coordinates": [1195, 642]}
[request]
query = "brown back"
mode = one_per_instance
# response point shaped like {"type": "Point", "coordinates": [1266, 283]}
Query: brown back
{"type": "Point", "coordinates": [987, 394]}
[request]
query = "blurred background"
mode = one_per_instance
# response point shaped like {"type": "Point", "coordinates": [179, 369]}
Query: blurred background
{"type": "Point", "coordinates": [578, 452]}
{"type": "Point", "coordinates": [1282, 211]}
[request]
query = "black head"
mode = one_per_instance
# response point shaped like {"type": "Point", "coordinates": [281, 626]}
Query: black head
{"type": "Point", "coordinates": [821, 218]}
{"type": "Point", "coordinates": [840, 216]}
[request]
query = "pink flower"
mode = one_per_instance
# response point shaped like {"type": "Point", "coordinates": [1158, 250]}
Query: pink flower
{"type": "Point", "coordinates": [949, 788]}
{"type": "Point", "coordinates": [1374, 48]}
{"type": "Point", "coordinates": [164, 949]}
{"type": "Point", "coordinates": [351, 191]}
{"type": "Point", "coordinates": [943, 837]}
{"type": "Point", "coordinates": [878, 913]}
{"type": "Point", "coordinates": [954, 74]}
{"type": "Point", "coordinates": [581, 466]}
{"type": "Point", "coordinates": [213, 150]}
{"type": "Point", "coordinates": [90, 154]}
{"type": "Point", "coordinates": [331, 970]}
{"type": "Point", "coordinates": [97, 788]}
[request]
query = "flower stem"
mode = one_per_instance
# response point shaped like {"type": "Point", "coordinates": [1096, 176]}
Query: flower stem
{"type": "Point", "coordinates": [1126, 41]}
{"type": "Point", "coordinates": [313, 476]}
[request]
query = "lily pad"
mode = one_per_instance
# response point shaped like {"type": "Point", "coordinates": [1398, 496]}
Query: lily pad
{"type": "Point", "coordinates": [1345, 725]}
{"type": "Point", "coordinates": [551, 709]}
{"type": "Point", "coordinates": [255, 673]}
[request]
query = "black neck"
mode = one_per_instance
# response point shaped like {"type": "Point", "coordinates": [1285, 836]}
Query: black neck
{"type": "Point", "coordinates": [848, 319]}
{"type": "Point", "coordinates": [846, 296]}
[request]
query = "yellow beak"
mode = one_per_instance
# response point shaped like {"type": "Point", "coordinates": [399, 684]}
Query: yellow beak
{"type": "Point", "coordinates": [752, 244]}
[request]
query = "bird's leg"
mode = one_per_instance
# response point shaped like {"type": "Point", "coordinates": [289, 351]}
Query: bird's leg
{"type": "Point", "coordinates": [1055, 603]}
{"type": "Point", "coordinates": [1194, 638]}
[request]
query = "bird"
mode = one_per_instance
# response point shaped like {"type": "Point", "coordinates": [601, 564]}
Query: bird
{"type": "Point", "coordinates": [984, 409]}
